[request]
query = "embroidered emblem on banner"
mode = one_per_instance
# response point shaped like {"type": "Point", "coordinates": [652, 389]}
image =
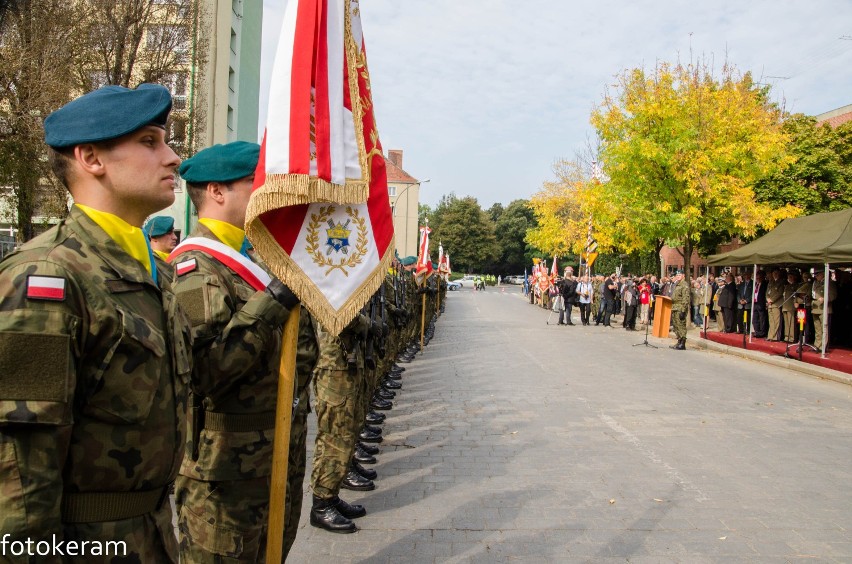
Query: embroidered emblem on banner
{"type": "Point", "coordinates": [337, 241]}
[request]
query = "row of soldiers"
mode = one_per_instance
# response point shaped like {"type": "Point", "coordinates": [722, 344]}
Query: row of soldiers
{"type": "Point", "coordinates": [122, 373]}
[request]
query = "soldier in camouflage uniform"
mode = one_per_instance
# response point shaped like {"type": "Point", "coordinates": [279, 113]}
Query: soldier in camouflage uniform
{"type": "Point", "coordinates": [338, 385]}
{"type": "Point", "coordinates": [681, 296]}
{"type": "Point", "coordinates": [94, 351]}
{"type": "Point", "coordinates": [222, 492]}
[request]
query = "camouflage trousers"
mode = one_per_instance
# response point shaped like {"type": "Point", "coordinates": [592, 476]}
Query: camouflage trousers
{"type": "Point", "coordinates": [296, 470]}
{"type": "Point", "coordinates": [679, 323]}
{"type": "Point", "coordinates": [222, 522]}
{"type": "Point", "coordinates": [340, 416]}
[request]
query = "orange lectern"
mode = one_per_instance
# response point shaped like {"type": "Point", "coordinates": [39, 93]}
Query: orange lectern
{"type": "Point", "coordinates": [662, 316]}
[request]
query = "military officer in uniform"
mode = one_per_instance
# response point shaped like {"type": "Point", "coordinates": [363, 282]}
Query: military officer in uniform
{"type": "Point", "coordinates": [821, 304]}
{"type": "Point", "coordinates": [788, 307]}
{"type": "Point", "coordinates": [680, 309]}
{"type": "Point", "coordinates": [94, 350]}
{"type": "Point", "coordinates": [774, 299]}
{"type": "Point", "coordinates": [237, 310]}
{"type": "Point", "coordinates": [160, 230]}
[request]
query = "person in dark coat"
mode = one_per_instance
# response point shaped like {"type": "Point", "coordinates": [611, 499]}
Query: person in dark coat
{"type": "Point", "coordinates": [728, 303]}
{"type": "Point", "coordinates": [568, 290]}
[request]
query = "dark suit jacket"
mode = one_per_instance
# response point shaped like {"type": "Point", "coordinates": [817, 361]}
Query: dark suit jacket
{"type": "Point", "coordinates": [568, 289]}
{"type": "Point", "coordinates": [728, 296]}
{"type": "Point", "coordinates": [760, 303]}
{"type": "Point", "coordinates": [745, 291]}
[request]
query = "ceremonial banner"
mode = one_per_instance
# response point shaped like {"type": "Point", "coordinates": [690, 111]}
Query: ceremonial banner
{"type": "Point", "coordinates": [319, 214]}
{"type": "Point", "coordinates": [554, 270]}
{"type": "Point", "coordinates": [423, 267]}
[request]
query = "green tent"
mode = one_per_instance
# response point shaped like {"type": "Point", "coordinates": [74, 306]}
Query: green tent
{"type": "Point", "coordinates": [822, 238]}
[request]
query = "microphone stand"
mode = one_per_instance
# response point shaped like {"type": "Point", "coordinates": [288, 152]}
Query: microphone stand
{"type": "Point", "coordinates": [645, 342]}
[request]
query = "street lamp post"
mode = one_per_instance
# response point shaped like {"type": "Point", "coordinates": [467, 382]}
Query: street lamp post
{"type": "Point", "coordinates": [406, 216]}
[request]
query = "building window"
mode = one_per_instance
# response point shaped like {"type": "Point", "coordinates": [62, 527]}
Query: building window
{"type": "Point", "coordinates": [231, 79]}
{"type": "Point", "coordinates": [391, 190]}
{"type": "Point", "coordinates": [237, 7]}
{"type": "Point", "coordinates": [233, 41]}
{"type": "Point", "coordinates": [230, 118]}
{"type": "Point", "coordinates": [167, 37]}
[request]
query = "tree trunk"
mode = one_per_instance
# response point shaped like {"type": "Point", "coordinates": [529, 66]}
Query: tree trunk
{"type": "Point", "coordinates": [687, 255]}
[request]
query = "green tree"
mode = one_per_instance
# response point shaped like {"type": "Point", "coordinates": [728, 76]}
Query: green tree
{"type": "Point", "coordinates": [466, 232]}
{"type": "Point", "coordinates": [423, 211]}
{"type": "Point", "coordinates": [682, 151]}
{"type": "Point", "coordinates": [819, 176]}
{"type": "Point", "coordinates": [511, 230]}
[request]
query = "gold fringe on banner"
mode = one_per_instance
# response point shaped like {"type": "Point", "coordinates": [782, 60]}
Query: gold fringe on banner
{"type": "Point", "coordinates": [334, 321]}
{"type": "Point", "coordinates": [282, 190]}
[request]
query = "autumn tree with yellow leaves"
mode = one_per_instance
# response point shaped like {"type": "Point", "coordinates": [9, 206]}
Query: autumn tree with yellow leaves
{"type": "Point", "coordinates": [681, 150]}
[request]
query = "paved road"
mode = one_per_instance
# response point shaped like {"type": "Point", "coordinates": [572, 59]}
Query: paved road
{"type": "Point", "coordinates": [517, 441]}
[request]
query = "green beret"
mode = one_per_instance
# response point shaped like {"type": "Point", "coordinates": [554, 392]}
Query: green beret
{"type": "Point", "coordinates": [221, 163]}
{"type": "Point", "coordinates": [158, 226]}
{"type": "Point", "coordinates": [408, 261]}
{"type": "Point", "coordinates": [107, 113]}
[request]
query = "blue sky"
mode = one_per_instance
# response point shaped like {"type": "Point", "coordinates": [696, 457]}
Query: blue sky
{"type": "Point", "coordinates": [483, 96]}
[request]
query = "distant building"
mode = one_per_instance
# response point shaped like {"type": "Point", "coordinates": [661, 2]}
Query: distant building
{"type": "Point", "coordinates": [836, 117]}
{"type": "Point", "coordinates": [226, 90]}
{"type": "Point", "coordinates": [404, 192]}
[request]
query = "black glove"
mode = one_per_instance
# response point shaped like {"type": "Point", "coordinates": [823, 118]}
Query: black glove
{"type": "Point", "coordinates": [683, 316]}
{"type": "Point", "coordinates": [282, 293]}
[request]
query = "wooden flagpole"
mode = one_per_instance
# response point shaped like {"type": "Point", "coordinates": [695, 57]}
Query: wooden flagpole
{"type": "Point", "coordinates": [281, 441]}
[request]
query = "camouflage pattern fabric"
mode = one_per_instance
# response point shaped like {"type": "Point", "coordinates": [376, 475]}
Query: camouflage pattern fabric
{"type": "Point", "coordinates": [222, 521]}
{"type": "Point", "coordinates": [106, 412]}
{"type": "Point", "coordinates": [339, 390]}
{"type": "Point", "coordinates": [237, 346]}
{"type": "Point", "coordinates": [681, 296]}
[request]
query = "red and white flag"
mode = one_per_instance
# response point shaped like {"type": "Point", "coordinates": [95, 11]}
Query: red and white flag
{"type": "Point", "coordinates": [319, 214]}
{"type": "Point", "coordinates": [423, 267]}
{"type": "Point", "coordinates": [554, 271]}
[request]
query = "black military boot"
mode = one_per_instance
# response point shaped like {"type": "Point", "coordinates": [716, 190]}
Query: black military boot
{"type": "Point", "coordinates": [350, 511]}
{"type": "Point", "coordinates": [369, 449]}
{"type": "Point", "coordinates": [355, 481]}
{"type": "Point", "coordinates": [391, 384]}
{"type": "Point", "coordinates": [374, 418]}
{"type": "Point", "coordinates": [373, 429]}
{"type": "Point", "coordinates": [380, 404]}
{"type": "Point", "coordinates": [394, 375]}
{"type": "Point", "coordinates": [397, 368]}
{"type": "Point", "coordinates": [682, 344]}
{"type": "Point", "coordinates": [367, 473]}
{"type": "Point", "coordinates": [325, 515]}
{"type": "Point", "coordinates": [363, 457]}
{"type": "Point", "coordinates": [368, 437]}
{"type": "Point", "coordinates": [384, 394]}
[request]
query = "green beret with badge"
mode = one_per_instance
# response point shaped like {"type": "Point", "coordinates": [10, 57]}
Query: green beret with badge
{"type": "Point", "coordinates": [221, 163]}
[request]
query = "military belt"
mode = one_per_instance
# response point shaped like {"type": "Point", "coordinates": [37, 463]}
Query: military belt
{"type": "Point", "coordinates": [239, 422]}
{"type": "Point", "coordinates": [98, 507]}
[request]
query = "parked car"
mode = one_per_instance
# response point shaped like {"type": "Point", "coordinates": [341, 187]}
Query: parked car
{"type": "Point", "coordinates": [454, 285]}
{"type": "Point", "coordinates": [514, 279]}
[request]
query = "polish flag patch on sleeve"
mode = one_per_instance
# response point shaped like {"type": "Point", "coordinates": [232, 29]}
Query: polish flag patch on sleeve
{"type": "Point", "coordinates": [46, 288]}
{"type": "Point", "coordinates": [186, 266]}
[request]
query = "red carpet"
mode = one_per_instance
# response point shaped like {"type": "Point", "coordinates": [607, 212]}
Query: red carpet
{"type": "Point", "coordinates": [836, 359]}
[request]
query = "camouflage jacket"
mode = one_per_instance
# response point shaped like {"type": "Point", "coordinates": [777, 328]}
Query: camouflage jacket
{"type": "Point", "coordinates": [681, 296]}
{"type": "Point", "coordinates": [336, 352]}
{"type": "Point", "coordinates": [93, 381]}
{"type": "Point", "coordinates": [236, 350]}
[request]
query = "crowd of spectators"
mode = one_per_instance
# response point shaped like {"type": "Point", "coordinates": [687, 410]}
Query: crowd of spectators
{"type": "Point", "coordinates": [732, 302]}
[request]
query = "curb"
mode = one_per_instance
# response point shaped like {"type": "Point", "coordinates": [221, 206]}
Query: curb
{"type": "Point", "coordinates": [779, 361]}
